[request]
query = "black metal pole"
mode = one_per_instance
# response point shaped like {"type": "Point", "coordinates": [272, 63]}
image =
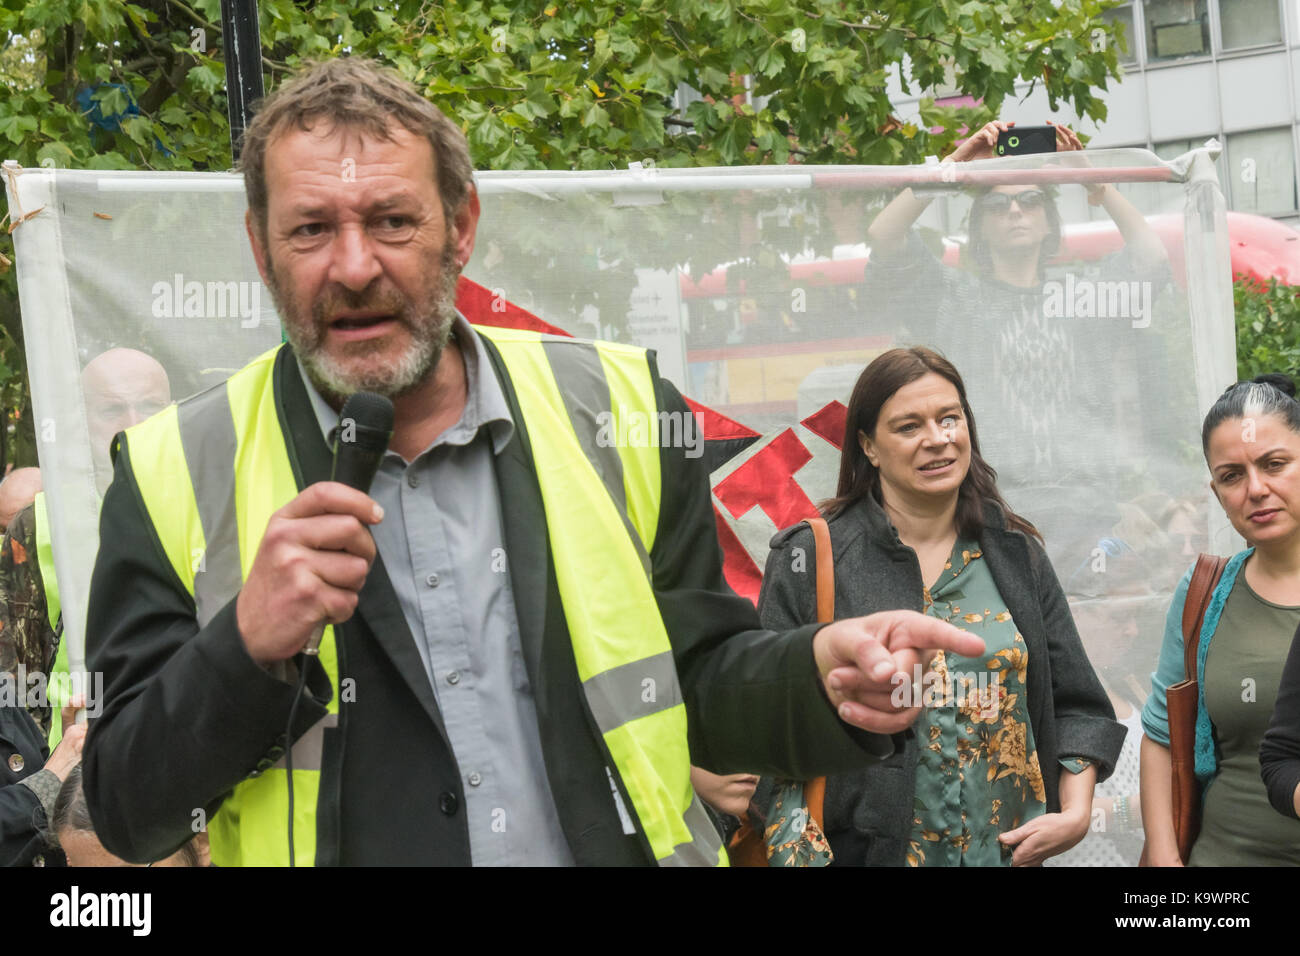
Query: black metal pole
{"type": "Point", "coordinates": [242, 46]}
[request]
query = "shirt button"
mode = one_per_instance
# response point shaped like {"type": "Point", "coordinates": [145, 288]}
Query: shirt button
{"type": "Point", "coordinates": [16, 763]}
{"type": "Point", "coordinates": [413, 479]}
{"type": "Point", "coordinates": [475, 779]}
{"type": "Point", "coordinates": [432, 580]}
{"type": "Point", "coordinates": [453, 677]}
{"type": "Point", "coordinates": [448, 803]}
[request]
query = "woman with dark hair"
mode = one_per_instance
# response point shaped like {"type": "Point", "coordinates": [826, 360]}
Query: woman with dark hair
{"type": "Point", "coordinates": [1251, 443]}
{"type": "Point", "coordinates": [918, 523]}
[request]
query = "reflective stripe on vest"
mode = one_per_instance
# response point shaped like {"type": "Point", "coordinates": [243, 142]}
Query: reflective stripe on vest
{"type": "Point", "coordinates": [57, 686]}
{"type": "Point", "coordinates": [212, 471]}
{"type": "Point", "coordinates": [621, 647]}
{"type": "Point", "coordinates": [227, 442]}
{"type": "Point", "coordinates": [45, 559]}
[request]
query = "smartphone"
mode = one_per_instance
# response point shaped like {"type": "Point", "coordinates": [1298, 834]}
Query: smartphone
{"type": "Point", "coordinates": [1027, 139]}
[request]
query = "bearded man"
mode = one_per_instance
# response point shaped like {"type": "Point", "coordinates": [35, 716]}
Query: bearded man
{"type": "Point", "coordinates": [534, 622]}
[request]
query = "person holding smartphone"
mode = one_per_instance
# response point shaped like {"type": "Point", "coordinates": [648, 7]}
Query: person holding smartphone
{"type": "Point", "coordinates": [1050, 388]}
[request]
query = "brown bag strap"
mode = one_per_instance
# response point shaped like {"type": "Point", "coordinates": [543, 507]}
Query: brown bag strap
{"type": "Point", "coordinates": [825, 570]}
{"type": "Point", "coordinates": [814, 790]}
{"type": "Point", "coordinates": [814, 795]}
{"type": "Point", "coordinates": [1205, 578]}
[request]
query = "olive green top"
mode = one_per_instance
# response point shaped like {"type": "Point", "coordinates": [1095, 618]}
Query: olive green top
{"type": "Point", "coordinates": [1243, 665]}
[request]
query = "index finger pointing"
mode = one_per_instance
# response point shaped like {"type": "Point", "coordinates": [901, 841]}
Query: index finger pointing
{"type": "Point", "coordinates": [930, 634]}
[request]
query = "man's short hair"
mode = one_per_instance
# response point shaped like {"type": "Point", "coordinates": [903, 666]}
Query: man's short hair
{"type": "Point", "coordinates": [357, 94]}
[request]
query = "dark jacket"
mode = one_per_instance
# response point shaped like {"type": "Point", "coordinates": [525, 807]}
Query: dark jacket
{"type": "Point", "coordinates": [23, 752]}
{"type": "Point", "coordinates": [188, 714]}
{"type": "Point", "coordinates": [1279, 751]}
{"type": "Point", "coordinates": [869, 813]}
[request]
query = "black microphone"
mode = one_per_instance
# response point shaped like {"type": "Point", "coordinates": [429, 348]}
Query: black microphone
{"type": "Point", "coordinates": [365, 428]}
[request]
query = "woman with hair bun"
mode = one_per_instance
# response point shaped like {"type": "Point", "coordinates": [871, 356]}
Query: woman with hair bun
{"type": "Point", "coordinates": [1251, 442]}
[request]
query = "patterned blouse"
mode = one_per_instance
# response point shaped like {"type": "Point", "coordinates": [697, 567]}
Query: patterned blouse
{"type": "Point", "coordinates": [978, 774]}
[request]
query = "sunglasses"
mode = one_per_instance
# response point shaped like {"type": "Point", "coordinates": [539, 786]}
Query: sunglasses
{"type": "Point", "coordinates": [1028, 200]}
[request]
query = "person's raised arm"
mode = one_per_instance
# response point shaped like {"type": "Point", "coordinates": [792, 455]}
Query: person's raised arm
{"type": "Point", "coordinates": [888, 231]}
{"type": "Point", "coordinates": [1145, 247]}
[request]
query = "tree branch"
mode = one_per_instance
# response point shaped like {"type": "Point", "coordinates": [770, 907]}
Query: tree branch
{"type": "Point", "coordinates": [166, 84]}
{"type": "Point", "coordinates": [177, 5]}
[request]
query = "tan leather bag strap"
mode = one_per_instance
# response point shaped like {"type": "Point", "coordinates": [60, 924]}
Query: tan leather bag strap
{"type": "Point", "coordinates": [825, 570]}
{"type": "Point", "coordinates": [814, 790]}
{"type": "Point", "coordinates": [814, 795]}
{"type": "Point", "coordinates": [1205, 578]}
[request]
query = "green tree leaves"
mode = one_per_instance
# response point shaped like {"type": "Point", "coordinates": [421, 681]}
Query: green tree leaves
{"type": "Point", "coordinates": [1268, 328]}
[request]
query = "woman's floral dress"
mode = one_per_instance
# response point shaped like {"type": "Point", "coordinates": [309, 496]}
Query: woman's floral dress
{"type": "Point", "coordinates": [978, 773]}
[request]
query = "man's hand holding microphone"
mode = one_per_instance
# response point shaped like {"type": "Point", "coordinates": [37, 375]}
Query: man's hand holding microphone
{"type": "Point", "coordinates": [309, 570]}
{"type": "Point", "coordinates": [317, 550]}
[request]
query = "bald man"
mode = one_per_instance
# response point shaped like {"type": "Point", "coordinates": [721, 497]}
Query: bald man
{"type": "Point", "coordinates": [17, 491]}
{"type": "Point", "coordinates": [121, 387]}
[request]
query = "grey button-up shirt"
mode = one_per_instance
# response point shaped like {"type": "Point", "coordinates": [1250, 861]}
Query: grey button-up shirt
{"type": "Point", "coordinates": [443, 546]}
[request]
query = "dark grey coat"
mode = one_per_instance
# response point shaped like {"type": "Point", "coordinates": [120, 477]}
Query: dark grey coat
{"type": "Point", "coordinates": [868, 813]}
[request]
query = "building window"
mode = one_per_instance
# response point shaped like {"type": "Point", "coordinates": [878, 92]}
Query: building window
{"type": "Point", "coordinates": [1261, 167]}
{"type": "Point", "coordinates": [1246, 23]}
{"type": "Point", "coordinates": [1177, 28]}
{"type": "Point", "coordinates": [1127, 43]}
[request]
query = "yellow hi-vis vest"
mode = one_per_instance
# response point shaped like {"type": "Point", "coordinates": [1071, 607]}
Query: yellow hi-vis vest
{"type": "Point", "coordinates": [212, 471]}
{"type": "Point", "coordinates": [56, 686]}
{"type": "Point", "coordinates": [45, 560]}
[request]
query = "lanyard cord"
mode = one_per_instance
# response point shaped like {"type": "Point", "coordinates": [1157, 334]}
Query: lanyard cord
{"type": "Point", "coordinates": [288, 750]}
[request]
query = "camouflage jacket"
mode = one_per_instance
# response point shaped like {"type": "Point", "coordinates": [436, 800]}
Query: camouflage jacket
{"type": "Point", "coordinates": [26, 635]}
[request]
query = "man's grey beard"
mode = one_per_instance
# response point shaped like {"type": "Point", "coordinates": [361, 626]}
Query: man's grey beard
{"type": "Point", "coordinates": [430, 330]}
